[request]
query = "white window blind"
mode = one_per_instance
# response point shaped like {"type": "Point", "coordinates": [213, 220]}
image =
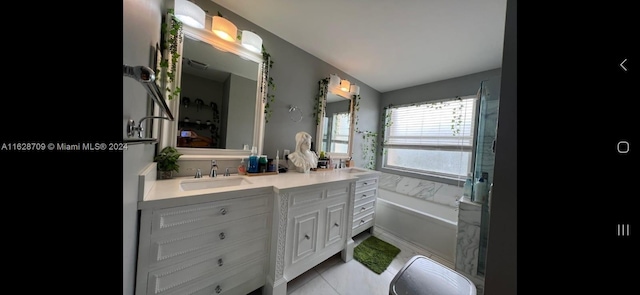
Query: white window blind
{"type": "Point", "coordinates": [431, 138]}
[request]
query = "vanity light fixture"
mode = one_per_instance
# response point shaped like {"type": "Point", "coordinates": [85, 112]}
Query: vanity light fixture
{"type": "Point", "coordinates": [334, 81]}
{"type": "Point", "coordinates": [345, 85]}
{"type": "Point", "coordinates": [224, 28]}
{"type": "Point", "coordinates": [354, 90]}
{"type": "Point", "coordinates": [190, 13]}
{"type": "Point", "coordinates": [251, 41]}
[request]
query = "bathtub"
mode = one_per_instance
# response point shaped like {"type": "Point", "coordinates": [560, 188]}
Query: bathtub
{"type": "Point", "coordinates": [429, 225]}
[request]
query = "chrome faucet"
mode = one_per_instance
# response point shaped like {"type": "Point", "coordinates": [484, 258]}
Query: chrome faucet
{"type": "Point", "coordinates": [226, 172]}
{"type": "Point", "coordinates": [214, 169]}
{"type": "Point", "coordinates": [198, 174]}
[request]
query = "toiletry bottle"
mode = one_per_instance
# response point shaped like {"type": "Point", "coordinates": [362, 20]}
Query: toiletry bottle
{"type": "Point", "coordinates": [479, 190]}
{"type": "Point", "coordinates": [253, 163]}
{"type": "Point", "coordinates": [242, 169]}
{"type": "Point", "coordinates": [468, 187]}
{"type": "Point", "coordinates": [262, 164]}
{"type": "Point", "coordinates": [278, 161]}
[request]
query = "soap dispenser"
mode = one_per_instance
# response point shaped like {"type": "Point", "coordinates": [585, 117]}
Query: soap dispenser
{"type": "Point", "coordinates": [480, 189]}
{"type": "Point", "coordinates": [468, 187]}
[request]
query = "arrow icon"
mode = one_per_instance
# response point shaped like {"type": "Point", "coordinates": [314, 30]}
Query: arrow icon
{"type": "Point", "coordinates": [622, 64]}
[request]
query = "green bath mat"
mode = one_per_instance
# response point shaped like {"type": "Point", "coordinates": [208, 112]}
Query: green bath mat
{"type": "Point", "coordinates": [375, 254]}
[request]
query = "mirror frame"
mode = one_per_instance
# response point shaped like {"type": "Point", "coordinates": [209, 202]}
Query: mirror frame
{"type": "Point", "coordinates": [169, 130]}
{"type": "Point", "coordinates": [324, 83]}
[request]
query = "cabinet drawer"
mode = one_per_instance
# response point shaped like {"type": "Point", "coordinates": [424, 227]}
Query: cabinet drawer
{"type": "Point", "coordinates": [366, 184]}
{"type": "Point", "coordinates": [227, 282]}
{"type": "Point", "coordinates": [185, 244]}
{"type": "Point", "coordinates": [199, 215]}
{"type": "Point", "coordinates": [305, 197]}
{"type": "Point", "coordinates": [365, 196]}
{"type": "Point", "coordinates": [363, 208]}
{"type": "Point", "coordinates": [362, 220]}
{"type": "Point", "coordinates": [338, 192]}
{"type": "Point", "coordinates": [167, 279]}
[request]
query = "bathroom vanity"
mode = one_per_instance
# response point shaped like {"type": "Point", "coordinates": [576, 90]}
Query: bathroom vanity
{"type": "Point", "coordinates": [235, 234]}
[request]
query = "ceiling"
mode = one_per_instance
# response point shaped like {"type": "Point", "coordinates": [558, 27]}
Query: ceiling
{"type": "Point", "coordinates": [388, 44]}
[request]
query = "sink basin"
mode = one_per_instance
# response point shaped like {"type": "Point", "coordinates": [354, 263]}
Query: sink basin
{"type": "Point", "coordinates": [217, 182]}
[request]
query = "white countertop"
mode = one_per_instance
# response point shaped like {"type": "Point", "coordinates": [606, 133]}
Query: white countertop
{"type": "Point", "coordinates": [167, 192]}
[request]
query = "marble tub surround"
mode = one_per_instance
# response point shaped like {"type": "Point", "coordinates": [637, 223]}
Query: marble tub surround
{"type": "Point", "coordinates": [422, 189]}
{"type": "Point", "coordinates": [468, 240]}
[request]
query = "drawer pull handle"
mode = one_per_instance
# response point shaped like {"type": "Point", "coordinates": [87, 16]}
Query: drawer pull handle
{"type": "Point", "coordinates": [362, 209]}
{"type": "Point", "coordinates": [307, 237]}
{"type": "Point", "coordinates": [222, 236]}
{"type": "Point", "coordinates": [362, 221]}
{"type": "Point", "coordinates": [223, 211]}
{"type": "Point", "coordinates": [364, 196]}
{"type": "Point", "coordinates": [366, 183]}
{"type": "Point", "coordinates": [220, 262]}
{"type": "Point", "coordinates": [218, 289]}
{"type": "Point", "coordinates": [336, 224]}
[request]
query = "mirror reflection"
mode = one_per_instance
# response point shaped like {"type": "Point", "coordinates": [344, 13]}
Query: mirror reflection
{"type": "Point", "coordinates": [336, 124]}
{"type": "Point", "coordinates": [217, 98]}
{"type": "Point", "coordinates": [335, 127]}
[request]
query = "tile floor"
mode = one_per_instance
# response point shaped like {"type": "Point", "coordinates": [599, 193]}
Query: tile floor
{"type": "Point", "coordinates": [335, 277]}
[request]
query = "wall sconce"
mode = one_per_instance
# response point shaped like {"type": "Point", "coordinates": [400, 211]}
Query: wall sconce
{"type": "Point", "coordinates": [190, 13]}
{"type": "Point", "coordinates": [345, 85]}
{"type": "Point", "coordinates": [224, 28]}
{"type": "Point", "coordinates": [252, 41]}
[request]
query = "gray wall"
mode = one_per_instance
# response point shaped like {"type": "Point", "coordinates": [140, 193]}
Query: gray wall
{"type": "Point", "coordinates": [296, 74]}
{"type": "Point", "coordinates": [501, 266]}
{"type": "Point", "coordinates": [141, 30]}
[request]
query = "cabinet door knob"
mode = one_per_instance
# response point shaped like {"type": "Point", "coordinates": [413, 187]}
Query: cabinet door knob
{"type": "Point", "coordinates": [336, 224]}
{"type": "Point", "coordinates": [221, 235]}
{"type": "Point", "coordinates": [307, 237]}
{"type": "Point", "coordinates": [218, 289]}
{"type": "Point", "coordinates": [223, 211]}
{"type": "Point", "coordinates": [220, 262]}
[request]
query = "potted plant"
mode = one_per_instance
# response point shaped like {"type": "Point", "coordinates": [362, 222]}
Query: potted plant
{"type": "Point", "coordinates": [167, 161]}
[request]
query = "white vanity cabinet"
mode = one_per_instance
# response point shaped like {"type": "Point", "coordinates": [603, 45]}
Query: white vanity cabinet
{"type": "Point", "coordinates": [314, 224]}
{"type": "Point", "coordinates": [366, 191]}
{"type": "Point", "coordinates": [218, 247]}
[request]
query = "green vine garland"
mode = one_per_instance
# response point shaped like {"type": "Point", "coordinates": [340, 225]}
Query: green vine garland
{"type": "Point", "coordinates": [267, 64]}
{"type": "Point", "coordinates": [171, 37]}
{"type": "Point", "coordinates": [323, 86]}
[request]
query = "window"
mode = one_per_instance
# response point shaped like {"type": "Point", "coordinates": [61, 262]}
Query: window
{"type": "Point", "coordinates": [433, 139]}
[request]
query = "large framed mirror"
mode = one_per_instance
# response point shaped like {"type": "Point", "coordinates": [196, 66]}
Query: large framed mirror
{"type": "Point", "coordinates": [220, 107]}
{"type": "Point", "coordinates": [335, 126]}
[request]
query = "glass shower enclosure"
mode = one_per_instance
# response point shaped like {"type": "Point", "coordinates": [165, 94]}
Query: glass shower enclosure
{"type": "Point", "coordinates": [485, 160]}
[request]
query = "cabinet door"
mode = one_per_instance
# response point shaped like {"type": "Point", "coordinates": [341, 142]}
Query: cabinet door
{"type": "Point", "coordinates": [305, 235]}
{"type": "Point", "coordinates": [335, 227]}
